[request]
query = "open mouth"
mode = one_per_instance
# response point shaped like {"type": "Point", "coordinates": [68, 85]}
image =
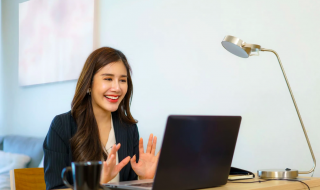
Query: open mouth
{"type": "Point", "coordinates": [112, 98]}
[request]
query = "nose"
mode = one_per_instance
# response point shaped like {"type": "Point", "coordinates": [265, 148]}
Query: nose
{"type": "Point", "coordinates": [116, 86]}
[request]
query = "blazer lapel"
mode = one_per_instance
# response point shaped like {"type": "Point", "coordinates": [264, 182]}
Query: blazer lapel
{"type": "Point", "coordinates": [120, 131]}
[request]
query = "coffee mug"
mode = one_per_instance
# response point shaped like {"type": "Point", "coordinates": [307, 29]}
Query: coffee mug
{"type": "Point", "coordinates": [86, 175]}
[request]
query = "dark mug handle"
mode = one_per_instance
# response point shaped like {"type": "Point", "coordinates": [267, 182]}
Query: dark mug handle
{"type": "Point", "coordinates": [64, 177]}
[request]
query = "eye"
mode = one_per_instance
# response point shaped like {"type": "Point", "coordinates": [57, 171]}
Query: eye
{"type": "Point", "coordinates": [123, 80]}
{"type": "Point", "coordinates": [108, 79]}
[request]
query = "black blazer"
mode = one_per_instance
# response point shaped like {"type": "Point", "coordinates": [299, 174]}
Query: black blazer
{"type": "Point", "coordinates": [58, 153]}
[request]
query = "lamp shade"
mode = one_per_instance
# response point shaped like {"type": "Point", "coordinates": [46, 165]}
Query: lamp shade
{"type": "Point", "coordinates": [235, 46]}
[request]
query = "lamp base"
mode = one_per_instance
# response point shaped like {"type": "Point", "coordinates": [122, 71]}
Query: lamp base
{"type": "Point", "coordinates": [278, 174]}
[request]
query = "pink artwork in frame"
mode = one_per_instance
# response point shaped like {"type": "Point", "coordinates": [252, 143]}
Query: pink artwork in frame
{"type": "Point", "coordinates": [55, 38]}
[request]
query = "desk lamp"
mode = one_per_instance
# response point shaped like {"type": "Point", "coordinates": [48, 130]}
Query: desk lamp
{"type": "Point", "coordinates": [242, 49]}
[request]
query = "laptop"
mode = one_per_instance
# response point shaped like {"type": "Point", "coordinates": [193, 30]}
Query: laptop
{"type": "Point", "coordinates": [196, 153]}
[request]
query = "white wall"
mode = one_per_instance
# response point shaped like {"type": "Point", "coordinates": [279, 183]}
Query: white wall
{"type": "Point", "coordinates": [3, 129]}
{"type": "Point", "coordinates": [27, 110]}
{"type": "Point", "coordinates": [180, 67]}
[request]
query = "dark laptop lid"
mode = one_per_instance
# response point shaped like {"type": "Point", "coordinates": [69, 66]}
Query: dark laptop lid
{"type": "Point", "coordinates": [196, 152]}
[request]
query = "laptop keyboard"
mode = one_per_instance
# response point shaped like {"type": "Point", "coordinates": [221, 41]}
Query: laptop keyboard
{"type": "Point", "coordinates": [142, 184]}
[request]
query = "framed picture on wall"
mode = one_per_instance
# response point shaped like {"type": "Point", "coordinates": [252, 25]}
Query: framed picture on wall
{"type": "Point", "coordinates": [55, 38]}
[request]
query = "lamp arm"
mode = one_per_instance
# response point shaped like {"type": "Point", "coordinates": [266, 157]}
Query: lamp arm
{"type": "Point", "coordinates": [295, 105]}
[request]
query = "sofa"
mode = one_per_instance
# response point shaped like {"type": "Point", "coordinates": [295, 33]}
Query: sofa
{"type": "Point", "coordinates": [29, 148]}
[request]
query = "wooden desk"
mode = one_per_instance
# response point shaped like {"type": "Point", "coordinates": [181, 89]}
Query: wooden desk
{"type": "Point", "coordinates": [313, 182]}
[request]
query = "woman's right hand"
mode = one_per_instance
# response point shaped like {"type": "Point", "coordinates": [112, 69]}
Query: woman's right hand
{"type": "Point", "coordinates": [110, 169]}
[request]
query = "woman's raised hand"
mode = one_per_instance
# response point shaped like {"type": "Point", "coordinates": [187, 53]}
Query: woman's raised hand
{"type": "Point", "coordinates": [110, 169]}
{"type": "Point", "coordinates": [147, 165]}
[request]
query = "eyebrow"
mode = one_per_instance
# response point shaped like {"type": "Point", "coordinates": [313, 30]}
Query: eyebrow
{"type": "Point", "coordinates": [112, 75]}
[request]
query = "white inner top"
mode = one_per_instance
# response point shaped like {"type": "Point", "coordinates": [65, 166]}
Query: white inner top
{"type": "Point", "coordinates": [112, 141]}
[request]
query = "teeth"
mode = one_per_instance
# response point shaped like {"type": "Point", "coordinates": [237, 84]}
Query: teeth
{"type": "Point", "coordinates": [112, 97]}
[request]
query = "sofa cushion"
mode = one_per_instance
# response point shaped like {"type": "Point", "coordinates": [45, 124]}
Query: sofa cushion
{"type": "Point", "coordinates": [10, 161]}
{"type": "Point", "coordinates": [29, 146]}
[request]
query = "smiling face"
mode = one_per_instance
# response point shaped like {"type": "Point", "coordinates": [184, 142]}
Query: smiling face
{"type": "Point", "coordinates": [109, 87]}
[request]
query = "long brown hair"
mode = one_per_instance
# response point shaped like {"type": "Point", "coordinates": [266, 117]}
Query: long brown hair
{"type": "Point", "coordinates": [86, 144]}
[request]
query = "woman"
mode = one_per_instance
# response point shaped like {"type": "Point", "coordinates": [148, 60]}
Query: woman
{"type": "Point", "coordinates": [100, 118]}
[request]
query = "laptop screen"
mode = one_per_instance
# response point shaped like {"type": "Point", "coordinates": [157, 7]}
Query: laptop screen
{"type": "Point", "coordinates": [196, 152]}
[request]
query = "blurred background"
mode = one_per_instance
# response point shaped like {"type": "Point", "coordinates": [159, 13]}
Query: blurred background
{"type": "Point", "coordinates": [180, 67]}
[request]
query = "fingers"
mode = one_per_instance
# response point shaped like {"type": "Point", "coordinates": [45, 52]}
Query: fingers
{"type": "Point", "coordinates": [133, 161]}
{"type": "Point", "coordinates": [153, 149]}
{"type": "Point", "coordinates": [111, 161]}
{"type": "Point", "coordinates": [158, 154]}
{"type": "Point", "coordinates": [114, 149]}
{"type": "Point", "coordinates": [141, 146]}
{"type": "Point", "coordinates": [110, 169]}
{"type": "Point", "coordinates": [149, 146]}
{"type": "Point", "coordinates": [111, 152]}
{"type": "Point", "coordinates": [109, 164]}
{"type": "Point", "coordinates": [122, 163]}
